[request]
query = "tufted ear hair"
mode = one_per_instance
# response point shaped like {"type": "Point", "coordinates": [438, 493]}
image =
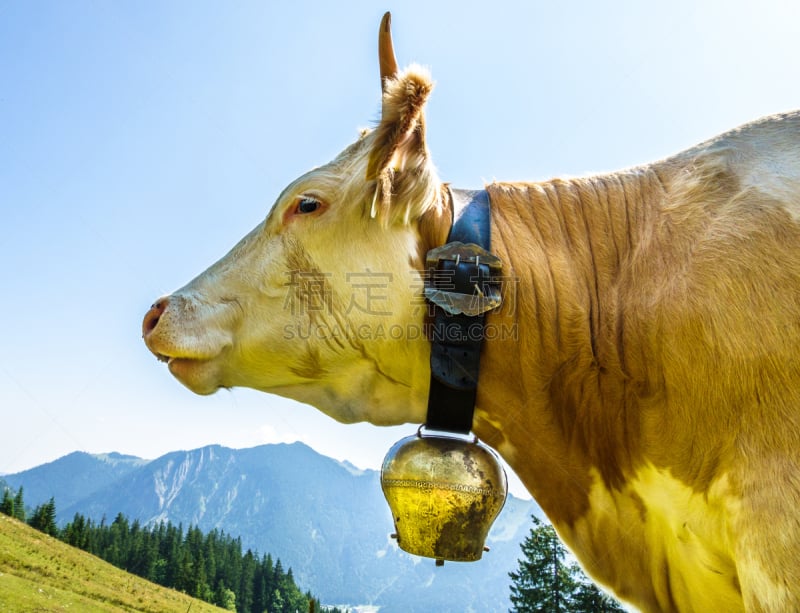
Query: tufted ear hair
{"type": "Point", "coordinates": [399, 163]}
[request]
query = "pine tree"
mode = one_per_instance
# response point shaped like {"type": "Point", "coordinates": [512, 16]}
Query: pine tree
{"type": "Point", "coordinates": [169, 551]}
{"type": "Point", "coordinates": [7, 506]}
{"type": "Point", "coordinates": [276, 603]}
{"type": "Point", "coordinates": [263, 586]}
{"type": "Point", "coordinates": [589, 599]}
{"type": "Point", "coordinates": [542, 583]}
{"type": "Point", "coordinates": [19, 505]}
{"type": "Point", "coordinates": [226, 599]}
{"type": "Point", "coordinates": [76, 533]}
{"type": "Point", "coordinates": [44, 518]}
{"type": "Point", "coordinates": [244, 595]}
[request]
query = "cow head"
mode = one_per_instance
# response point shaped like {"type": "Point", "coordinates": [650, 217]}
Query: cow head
{"type": "Point", "coordinates": [321, 302]}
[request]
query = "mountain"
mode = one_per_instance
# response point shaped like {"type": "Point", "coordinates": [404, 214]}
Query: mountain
{"type": "Point", "coordinates": [40, 573]}
{"type": "Point", "coordinates": [325, 519]}
{"type": "Point", "coordinates": [72, 477]}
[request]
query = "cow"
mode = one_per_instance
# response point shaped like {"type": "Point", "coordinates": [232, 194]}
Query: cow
{"type": "Point", "coordinates": [643, 377]}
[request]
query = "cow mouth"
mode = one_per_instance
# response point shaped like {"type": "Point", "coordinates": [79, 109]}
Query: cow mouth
{"type": "Point", "coordinates": [196, 352]}
{"type": "Point", "coordinates": [200, 375]}
{"type": "Point", "coordinates": [171, 359]}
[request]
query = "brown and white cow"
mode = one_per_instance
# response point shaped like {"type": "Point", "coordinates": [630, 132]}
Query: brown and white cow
{"type": "Point", "coordinates": [649, 395]}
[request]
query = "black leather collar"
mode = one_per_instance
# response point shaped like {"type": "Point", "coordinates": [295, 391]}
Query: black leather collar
{"type": "Point", "coordinates": [472, 222]}
{"type": "Point", "coordinates": [462, 272]}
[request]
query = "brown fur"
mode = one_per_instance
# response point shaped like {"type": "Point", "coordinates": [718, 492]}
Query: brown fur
{"type": "Point", "coordinates": [659, 323]}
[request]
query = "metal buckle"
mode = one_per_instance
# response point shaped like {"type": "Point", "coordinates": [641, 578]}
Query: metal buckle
{"type": "Point", "coordinates": [486, 288]}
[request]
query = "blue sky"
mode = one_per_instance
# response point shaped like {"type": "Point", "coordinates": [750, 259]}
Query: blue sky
{"type": "Point", "coordinates": [140, 140]}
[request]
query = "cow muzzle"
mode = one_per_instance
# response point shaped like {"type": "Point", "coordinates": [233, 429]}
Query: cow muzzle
{"type": "Point", "coordinates": [150, 322]}
{"type": "Point", "coordinates": [188, 336]}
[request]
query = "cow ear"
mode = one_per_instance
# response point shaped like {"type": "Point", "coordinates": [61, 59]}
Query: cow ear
{"type": "Point", "coordinates": [398, 155]}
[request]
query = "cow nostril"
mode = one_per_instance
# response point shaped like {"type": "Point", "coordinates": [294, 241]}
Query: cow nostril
{"type": "Point", "coordinates": [153, 316]}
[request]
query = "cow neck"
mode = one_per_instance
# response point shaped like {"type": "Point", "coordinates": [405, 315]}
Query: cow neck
{"type": "Point", "coordinates": [458, 277]}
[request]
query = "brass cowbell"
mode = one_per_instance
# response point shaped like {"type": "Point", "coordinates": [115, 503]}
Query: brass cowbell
{"type": "Point", "coordinates": [444, 493]}
{"type": "Point", "coordinates": [444, 490]}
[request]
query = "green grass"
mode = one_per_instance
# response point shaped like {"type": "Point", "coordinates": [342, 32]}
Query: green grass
{"type": "Point", "coordinates": [40, 573]}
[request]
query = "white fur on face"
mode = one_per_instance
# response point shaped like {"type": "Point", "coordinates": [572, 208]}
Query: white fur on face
{"type": "Point", "coordinates": [324, 307]}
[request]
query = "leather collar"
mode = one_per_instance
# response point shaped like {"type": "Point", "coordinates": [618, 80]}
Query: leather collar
{"type": "Point", "coordinates": [471, 218]}
{"type": "Point", "coordinates": [462, 271]}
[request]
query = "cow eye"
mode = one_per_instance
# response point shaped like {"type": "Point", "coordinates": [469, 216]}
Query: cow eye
{"type": "Point", "coordinates": [307, 205]}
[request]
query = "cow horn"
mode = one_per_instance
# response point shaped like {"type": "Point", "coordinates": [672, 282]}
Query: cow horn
{"type": "Point", "coordinates": [386, 57]}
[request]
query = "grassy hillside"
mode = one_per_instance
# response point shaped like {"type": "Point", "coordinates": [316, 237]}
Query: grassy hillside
{"type": "Point", "coordinates": [40, 573]}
